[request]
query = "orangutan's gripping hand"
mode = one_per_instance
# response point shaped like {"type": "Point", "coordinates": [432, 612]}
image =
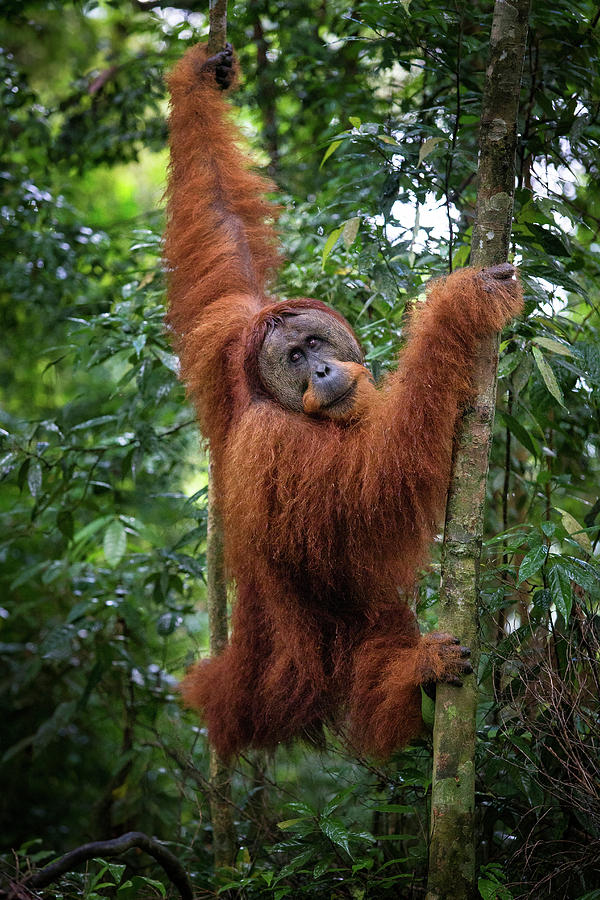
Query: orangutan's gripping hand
{"type": "Point", "coordinates": [219, 68]}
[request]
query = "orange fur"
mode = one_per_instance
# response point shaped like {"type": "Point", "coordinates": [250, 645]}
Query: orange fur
{"type": "Point", "coordinates": [324, 520]}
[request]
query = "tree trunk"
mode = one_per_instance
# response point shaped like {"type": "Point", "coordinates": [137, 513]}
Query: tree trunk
{"type": "Point", "coordinates": [221, 809]}
{"type": "Point", "coordinates": [452, 849]}
{"type": "Point", "coordinates": [217, 33]}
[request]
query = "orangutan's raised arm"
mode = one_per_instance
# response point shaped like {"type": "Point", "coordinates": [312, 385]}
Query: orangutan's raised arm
{"type": "Point", "coordinates": [219, 244]}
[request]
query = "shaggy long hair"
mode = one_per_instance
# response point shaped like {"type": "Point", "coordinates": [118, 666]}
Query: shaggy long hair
{"type": "Point", "coordinates": [324, 520]}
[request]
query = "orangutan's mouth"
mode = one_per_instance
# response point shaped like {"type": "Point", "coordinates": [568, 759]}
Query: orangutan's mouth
{"type": "Point", "coordinates": [347, 395]}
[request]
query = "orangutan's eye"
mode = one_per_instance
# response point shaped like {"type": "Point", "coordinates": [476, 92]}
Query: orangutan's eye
{"type": "Point", "coordinates": [295, 355]}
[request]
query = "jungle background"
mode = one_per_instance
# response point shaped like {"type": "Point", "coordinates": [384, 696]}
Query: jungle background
{"type": "Point", "coordinates": [366, 114]}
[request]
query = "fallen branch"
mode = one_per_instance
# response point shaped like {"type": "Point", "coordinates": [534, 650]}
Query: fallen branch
{"type": "Point", "coordinates": [107, 849]}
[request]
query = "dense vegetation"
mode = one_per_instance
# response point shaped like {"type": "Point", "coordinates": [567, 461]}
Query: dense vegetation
{"type": "Point", "coordinates": [103, 497]}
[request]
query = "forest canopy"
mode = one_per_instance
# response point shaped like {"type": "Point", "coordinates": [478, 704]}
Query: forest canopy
{"type": "Point", "coordinates": [367, 118]}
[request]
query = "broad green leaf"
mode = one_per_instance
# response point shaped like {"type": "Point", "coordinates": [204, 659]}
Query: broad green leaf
{"type": "Point", "coordinates": [532, 562]}
{"type": "Point", "coordinates": [575, 530]}
{"type": "Point", "coordinates": [320, 868]}
{"type": "Point", "coordinates": [91, 528]}
{"type": "Point", "coordinates": [548, 376]}
{"type": "Point", "coordinates": [337, 832]}
{"type": "Point", "coordinates": [555, 346]}
{"type": "Point", "coordinates": [139, 343]}
{"type": "Point", "coordinates": [290, 823]}
{"type": "Point", "coordinates": [559, 583]}
{"type": "Point", "coordinates": [522, 374]}
{"type": "Point", "coordinates": [337, 800]}
{"type": "Point", "coordinates": [297, 863]}
{"type": "Point", "coordinates": [508, 363]}
{"type": "Point", "coordinates": [427, 147]}
{"type": "Point", "coordinates": [168, 359]}
{"type": "Point", "coordinates": [582, 572]}
{"type": "Point", "coordinates": [330, 151]}
{"type": "Point", "coordinates": [115, 543]}
{"type": "Point", "coordinates": [350, 230]}
{"type": "Point", "coordinates": [94, 423]}
{"type": "Point", "coordinates": [330, 244]}
{"type": "Point", "coordinates": [354, 121]}
{"type": "Point", "coordinates": [486, 888]}
{"type": "Point", "coordinates": [427, 709]}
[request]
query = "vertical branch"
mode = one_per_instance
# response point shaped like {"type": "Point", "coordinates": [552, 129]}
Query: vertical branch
{"type": "Point", "coordinates": [221, 809]}
{"type": "Point", "coordinates": [224, 838]}
{"type": "Point", "coordinates": [452, 850]}
{"type": "Point", "coordinates": [452, 150]}
{"type": "Point", "coordinates": [217, 33]}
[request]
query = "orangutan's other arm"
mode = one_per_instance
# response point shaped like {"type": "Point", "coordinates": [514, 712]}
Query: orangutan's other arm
{"type": "Point", "coordinates": [416, 418]}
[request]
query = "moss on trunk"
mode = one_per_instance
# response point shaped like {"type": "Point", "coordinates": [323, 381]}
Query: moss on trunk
{"type": "Point", "coordinates": [452, 849]}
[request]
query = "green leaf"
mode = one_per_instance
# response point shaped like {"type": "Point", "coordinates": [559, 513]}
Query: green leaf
{"type": "Point", "coordinates": [94, 423]}
{"type": "Point", "coordinates": [575, 530]}
{"type": "Point", "coordinates": [583, 573]}
{"type": "Point", "coordinates": [428, 147]}
{"type": "Point", "coordinates": [337, 832]}
{"type": "Point", "coordinates": [354, 121]}
{"type": "Point", "coordinates": [337, 800]}
{"type": "Point", "coordinates": [554, 346]}
{"type": "Point", "coordinates": [330, 151]}
{"type": "Point", "coordinates": [34, 477]}
{"type": "Point", "coordinates": [508, 363]}
{"type": "Point", "coordinates": [168, 359]}
{"type": "Point", "coordinates": [522, 373]}
{"type": "Point", "coordinates": [330, 244]}
{"type": "Point", "coordinates": [320, 868]}
{"type": "Point", "coordinates": [290, 824]}
{"type": "Point", "coordinates": [548, 375]}
{"type": "Point", "coordinates": [559, 583]}
{"type": "Point", "coordinates": [532, 562]}
{"type": "Point", "coordinates": [91, 528]}
{"type": "Point", "coordinates": [115, 543]}
{"type": "Point", "coordinates": [427, 709]}
{"type": "Point", "coordinates": [350, 230]}
{"type": "Point", "coordinates": [521, 434]}
{"type": "Point", "coordinates": [139, 343]}
{"type": "Point", "coordinates": [296, 863]}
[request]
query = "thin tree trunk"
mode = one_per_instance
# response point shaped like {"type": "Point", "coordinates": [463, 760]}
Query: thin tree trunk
{"type": "Point", "coordinates": [224, 838]}
{"type": "Point", "coordinates": [452, 850]}
{"type": "Point", "coordinates": [217, 34]}
{"type": "Point", "coordinates": [221, 809]}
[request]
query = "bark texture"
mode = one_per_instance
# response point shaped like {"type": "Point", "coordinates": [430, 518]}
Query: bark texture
{"type": "Point", "coordinates": [217, 37]}
{"type": "Point", "coordinates": [452, 849]}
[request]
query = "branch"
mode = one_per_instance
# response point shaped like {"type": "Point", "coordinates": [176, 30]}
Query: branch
{"type": "Point", "coordinates": [107, 849]}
